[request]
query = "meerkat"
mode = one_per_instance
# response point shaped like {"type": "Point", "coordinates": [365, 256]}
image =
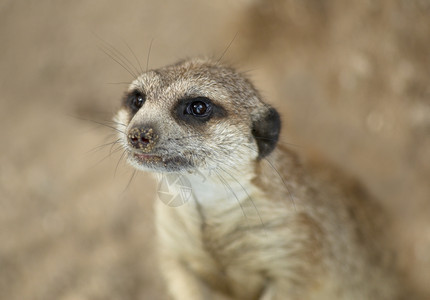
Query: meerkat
{"type": "Point", "coordinates": [259, 223]}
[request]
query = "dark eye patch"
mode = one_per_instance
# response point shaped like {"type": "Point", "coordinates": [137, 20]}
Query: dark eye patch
{"type": "Point", "coordinates": [134, 100]}
{"type": "Point", "coordinates": [197, 110]}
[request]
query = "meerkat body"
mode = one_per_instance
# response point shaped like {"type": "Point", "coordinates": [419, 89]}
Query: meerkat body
{"type": "Point", "coordinates": [258, 224]}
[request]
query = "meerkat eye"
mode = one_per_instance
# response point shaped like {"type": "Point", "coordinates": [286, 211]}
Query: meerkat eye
{"type": "Point", "coordinates": [200, 107]}
{"type": "Point", "coordinates": [136, 100]}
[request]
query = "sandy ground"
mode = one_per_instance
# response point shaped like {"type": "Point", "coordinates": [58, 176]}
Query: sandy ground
{"type": "Point", "coordinates": [352, 81]}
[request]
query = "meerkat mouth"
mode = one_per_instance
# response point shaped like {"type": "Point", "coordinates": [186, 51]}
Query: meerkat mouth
{"type": "Point", "coordinates": [160, 163]}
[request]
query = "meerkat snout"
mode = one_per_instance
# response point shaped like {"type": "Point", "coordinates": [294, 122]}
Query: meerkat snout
{"type": "Point", "coordinates": [142, 138]}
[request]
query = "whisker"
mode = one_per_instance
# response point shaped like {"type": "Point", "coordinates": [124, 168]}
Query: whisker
{"type": "Point", "coordinates": [134, 55]}
{"type": "Point", "coordinates": [247, 71]}
{"type": "Point", "coordinates": [105, 157]}
{"type": "Point", "coordinates": [118, 54]}
{"type": "Point", "coordinates": [129, 182]}
{"type": "Point", "coordinates": [247, 194]}
{"type": "Point", "coordinates": [102, 146]}
{"type": "Point", "coordinates": [278, 141]}
{"type": "Point", "coordinates": [102, 124]}
{"type": "Point", "coordinates": [280, 176]}
{"type": "Point", "coordinates": [113, 145]}
{"type": "Point", "coordinates": [119, 160]}
{"type": "Point", "coordinates": [225, 183]}
{"type": "Point", "coordinates": [118, 61]}
{"type": "Point", "coordinates": [149, 53]}
{"type": "Point", "coordinates": [116, 123]}
{"type": "Point", "coordinates": [228, 47]}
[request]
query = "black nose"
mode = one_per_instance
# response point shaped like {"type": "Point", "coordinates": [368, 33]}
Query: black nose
{"type": "Point", "coordinates": [142, 138]}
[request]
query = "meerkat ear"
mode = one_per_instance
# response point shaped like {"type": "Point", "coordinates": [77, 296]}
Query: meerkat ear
{"type": "Point", "coordinates": [265, 129]}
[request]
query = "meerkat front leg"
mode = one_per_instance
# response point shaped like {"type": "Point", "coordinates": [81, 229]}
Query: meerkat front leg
{"type": "Point", "coordinates": [182, 283]}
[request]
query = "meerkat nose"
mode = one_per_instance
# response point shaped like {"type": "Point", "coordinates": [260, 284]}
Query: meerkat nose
{"type": "Point", "coordinates": [142, 138]}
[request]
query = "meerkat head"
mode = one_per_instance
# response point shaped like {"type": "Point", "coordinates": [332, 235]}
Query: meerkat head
{"type": "Point", "coordinates": [195, 115]}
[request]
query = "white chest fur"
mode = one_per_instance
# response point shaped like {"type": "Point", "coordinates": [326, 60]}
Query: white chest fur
{"type": "Point", "coordinates": [213, 196]}
{"type": "Point", "coordinates": [202, 231]}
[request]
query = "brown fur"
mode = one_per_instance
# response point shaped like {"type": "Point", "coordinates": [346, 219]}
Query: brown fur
{"type": "Point", "coordinates": [270, 228]}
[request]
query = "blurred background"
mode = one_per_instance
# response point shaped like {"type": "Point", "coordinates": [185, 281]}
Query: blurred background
{"type": "Point", "coordinates": [351, 78]}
